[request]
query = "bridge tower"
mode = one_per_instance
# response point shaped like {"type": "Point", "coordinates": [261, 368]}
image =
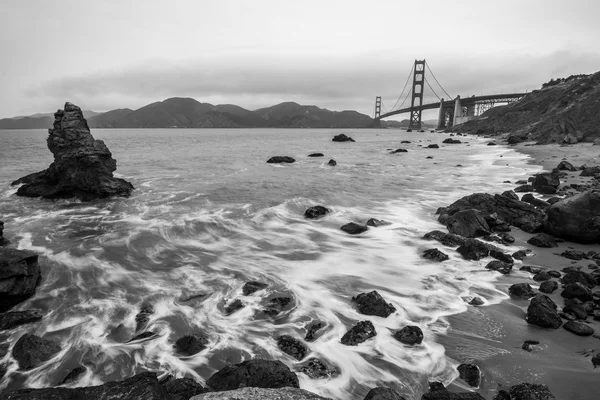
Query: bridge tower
{"type": "Point", "coordinates": [377, 117]}
{"type": "Point", "coordinates": [417, 95]}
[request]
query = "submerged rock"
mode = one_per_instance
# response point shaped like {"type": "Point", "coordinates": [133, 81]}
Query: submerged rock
{"type": "Point", "coordinates": [83, 167]}
{"type": "Point", "coordinates": [433, 146]}
{"type": "Point", "coordinates": [521, 290]}
{"type": "Point", "coordinates": [470, 373]}
{"type": "Point", "coordinates": [530, 391]}
{"type": "Point", "coordinates": [359, 333]}
{"type": "Point", "coordinates": [542, 312]}
{"type": "Point", "coordinates": [435, 254]}
{"type": "Point", "coordinates": [576, 218]}
{"type": "Point", "coordinates": [410, 335]}
{"type": "Point", "coordinates": [383, 393]}
{"type": "Point", "coordinates": [276, 305]}
{"type": "Point", "coordinates": [312, 329]}
{"type": "Point", "coordinates": [253, 286]}
{"type": "Point", "coordinates": [353, 228]}
{"type": "Point", "coordinates": [234, 306]}
{"type": "Point", "coordinates": [292, 347]}
{"type": "Point", "coordinates": [9, 320]}
{"type": "Point", "coordinates": [447, 239]}
{"type": "Point", "coordinates": [280, 160]}
{"type": "Point", "coordinates": [373, 304]}
{"type": "Point", "coordinates": [318, 369]}
{"type": "Point", "coordinates": [332, 162]}
{"type": "Point", "coordinates": [377, 222]}
{"type": "Point", "coordinates": [19, 276]}
{"type": "Point", "coordinates": [143, 316]}
{"type": "Point", "coordinates": [316, 212]}
{"type": "Point", "coordinates": [30, 351]}
{"type": "Point", "coordinates": [253, 393]}
{"type": "Point", "coordinates": [253, 373]}
{"type": "Point", "coordinates": [316, 155]}
{"type": "Point", "coordinates": [73, 375]}
{"type": "Point", "coordinates": [191, 344]}
{"type": "Point", "coordinates": [342, 138]}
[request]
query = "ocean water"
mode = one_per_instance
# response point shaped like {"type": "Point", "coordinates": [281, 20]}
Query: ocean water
{"type": "Point", "coordinates": [209, 214]}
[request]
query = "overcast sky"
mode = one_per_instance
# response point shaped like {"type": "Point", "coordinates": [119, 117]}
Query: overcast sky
{"type": "Point", "coordinates": [339, 55]}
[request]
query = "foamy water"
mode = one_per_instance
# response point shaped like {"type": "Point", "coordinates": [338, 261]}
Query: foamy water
{"type": "Point", "coordinates": [208, 214]}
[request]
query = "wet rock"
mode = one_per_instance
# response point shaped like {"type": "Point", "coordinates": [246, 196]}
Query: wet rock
{"type": "Point", "coordinates": [508, 239]}
{"type": "Point", "coordinates": [447, 239]}
{"type": "Point", "coordinates": [234, 306]}
{"type": "Point", "coordinates": [316, 155]}
{"type": "Point", "coordinates": [502, 395]}
{"type": "Point", "coordinates": [276, 305]}
{"type": "Point", "coordinates": [476, 301]}
{"type": "Point", "coordinates": [433, 146]}
{"type": "Point", "coordinates": [524, 189]}
{"type": "Point", "coordinates": [19, 276]}
{"type": "Point", "coordinates": [451, 141]}
{"type": "Point", "coordinates": [377, 222]}
{"type": "Point", "coordinates": [11, 319]}
{"type": "Point", "coordinates": [253, 286]}
{"type": "Point", "coordinates": [252, 393]}
{"type": "Point", "coordinates": [553, 273]}
{"type": "Point", "coordinates": [498, 255]}
{"type": "Point", "coordinates": [437, 391]}
{"type": "Point", "coordinates": [590, 171]}
{"type": "Point", "coordinates": [576, 218]}
{"type": "Point", "coordinates": [253, 373]}
{"type": "Point", "coordinates": [332, 162]}
{"type": "Point", "coordinates": [574, 254]}
{"type": "Point", "coordinates": [548, 287]}
{"type": "Point", "coordinates": [519, 255]}
{"type": "Point", "coordinates": [73, 375]}
{"type": "Point", "coordinates": [545, 183]}
{"type": "Point", "coordinates": [530, 391]}
{"type": "Point", "coordinates": [542, 276]}
{"type": "Point", "coordinates": [531, 269]}
{"type": "Point", "coordinates": [435, 254]}
{"type": "Point", "coordinates": [354, 229]}
{"type": "Point", "coordinates": [575, 309]}
{"type": "Point", "coordinates": [499, 266]}
{"type": "Point", "coordinates": [473, 249]}
{"type": "Point", "coordinates": [142, 317]}
{"type": "Point", "coordinates": [3, 240]}
{"type": "Point", "coordinates": [578, 328]}
{"type": "Point", "coordinates": [318, 369]}
{"type": "Point", "coordinates": [142, 336]}
{"type": "Point", "coordinates": [191, 344]}
{"type": "Point", "coordinates": [82, 167]}
{"type": "Point", "coordinates": [373, 304]}
{"type": "Point", "coordinates": [383, 393]}
{"type": "Point", "coordinates": [312, 329]}
{"type": "Point", "coordinates": [405, 141]}
{"type": "Point", "coordinates": [572, 276]}
{"type": "Point", "coordinates": [342, 138]}
{"type": "Point", "coordinates": [410, 335]}
{"type": "Point", "coordinates": [359, 333]}
{"type": "Point", "coordinates": [565, 165]}
{"type": "Point", "coordinates": [292, 347]}
{"type": "Point", "coordinates": [468, 223]}
{"type": "Point", "coordinates": [316, 212]}
{"type": "Point", "coordinates": [542, 312]}
{"type": "Point", "coordinates": [31, 351]}
{"type": "Point", "coordinates": [280, 160]}
{"type": "Point", "coordinates": [470, 373]}
{"type": "Point", "coordinates": [543, 240]}
{"type": "Point", "coordinates": [399, 151]}
{"type": "Point", "coordinates": [182, 388]}
{"type": "Point", "coordinates": [510, 194]}
{"type": "Point", "coordinates": [577, 290]}
{"type": "Point", "coordinates": [144, 386]}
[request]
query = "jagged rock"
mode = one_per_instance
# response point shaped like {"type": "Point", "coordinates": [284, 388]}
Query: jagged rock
{"type": "Point", "coordinates": [82, 167]}
{"type": "Point", "coordinates": [578, 276]}
{"type": "Point", "coordinates": [359, 333]}
{"type": "Point", "coordinates": [543, 240]}
{"type": "Point", "coordinates": [410, 335]}
{"type": "Point", "coordinates": [316, 212]}
{"type": "Point", "coordinates": [435, 254]}
{"type": "Point", "coordinates": [19, 276]}
{"type": "Point", "coordinates": [437, 391]}
{"type": "Point", "coordinates": [542, 312]}
{"type": "Point", "coordinates": [542, 276]}
{"type": "Point", "coordinates": [545, 183]}
{"type": "Point", "coordinates": [182, 388]}
{"type": "Point", "coordinates": [73, 375]}
{"type": "Point", "coordinates": [253, 286]}
{"type": "Point", "coordinates": [574, 254]}
{"type": "Point", "coordinates": [143, 316]}
{"type": "Point", "coordinates": [144, 386]}
{"type": "Point", "coordinates": [292, 347]}
{"type": "Point", "coordinates": [498, 255]}
{"type": "Point", "coordinates": [191, 344]}
{"type": "Point", "coordinates": [312, 329]}
{"type": "Point", "coordinates": [577, 290]}
{"type": "Point", "coordinates": [253, 393]}
{"type": "Point", "coordinates": [30, 351]}
{"type": "Point", "coordinates": [499, 266]}
{"type": "Point", "coordinates": [447, 239]}
{"type": "Point", "coordinates": [383, 393]}
{"type": "Point", "coordinates": [373, 304]}
{"type": "Point", "coordinates": [476, 301]}
{"type": "Point", "coordinates": [332, 162]}
{"type": "Point", "coordinates": [510, 194]}
{"type": "Point", "coordinates": [473, 249]}
{"type": "Point", "coordinates": [530, 391]}
{"type": "Point", "coordinates": [280, 160]}
{"type": "Point", "coordinates": [11, 319]}
{"type": "Point", "coordinates": [548, 287]}
{"type": "Point", "coordinates": [353, 228]}
{"type": "Point", "coordinates": [470, 373]}
{"type": "Point", "coordinates": [377, 222]}
{"type": "Point", "coordinates": [342, 138]}
{"type": "Point", "coordinates": [276, 305]}
{"type": "Point", "coordinates": [531, 199]}
{"type": "Point", "coordinates": [576, 218]}
{"type": "Point", "coordinates": [253, 373]}
{"type": "Point", "coordinates": [316, 155]}
{"type": "Point", "coordinates": [317, 369]}
{"type": "Point", "coordinates": [523, 189]}
{"type": "Point", "coordinates": [521, 290]}
{"type": "Point", "coordinates": [468, 223]}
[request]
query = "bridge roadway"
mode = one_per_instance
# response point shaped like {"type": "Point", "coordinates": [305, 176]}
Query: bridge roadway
{"type": "Point", "coordinates": [467, 101]}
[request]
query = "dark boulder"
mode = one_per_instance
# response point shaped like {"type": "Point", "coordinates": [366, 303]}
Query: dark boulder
{"type": "Point", "coordinates": [437, 391]}
{"type": "Point", "coordinates": [410, 335]}
{"type": "Point", "coordinates": [292, 347]}
{"type": "Point", "coordinates": [519, 255]}
{"type": "Point", "coordinates": [530, 391]}
{"type": "Point", "coordinates": [405, 141]}
{"type": "Point", "coordinates": [578, 291]}
{"type": "Point", "coordinates": [468, 223]}
{"type": "Point", "coordinates": [565, 165]}
{"type": "Point", "coordinates": [143, 316]}
{"type": "Point", "coordinates": [541, 204]}
{"type": "Point", "coordinates": [579, 328]}
{"type": "Point", "coordinates": [280, 160]}
{"type": "Point", "coordinates": [578, 276]}
{"type": "Point", "coordinates": [353, 228]}
{"type": "Point", "coordinates": [276, 305]}
{"type": "Point", "coordinates": [553, 273]}
{"type": "Point", "coordinates": [590, 171]}
{"type": "Point", "coordinates": [191, 344]}
{"type": "Point", "coordinates": [473, 249]}
{"type": "Point", "coordinates": [522, 290]}
{"type": "Point", "coordinates": [30, 351]}
{"type": "Point", "coordinates": [470, 373]}
{"type": "Point", "coordinates": [399, 151]}
{"type": "Point", "coordinates": [498, 255]}
{"type": "Point", "coordinates": [11, 319]}
{"type": "Point", "coordinates": [545, 183]}
{"type": "Point", "coordinates": [316, 212]}
{"type": "Point", "coordinates": [342, 138]}
{"type": "Point", "coordinates": [576, 218]}
{"type": "Point", "coordinates": [359, 333]}
{"type": "Point", "coordinates": [234, 306]}
{"type": "Point", "coordinates": [543, 240]}
{"type": "Point", "coordinates": [523, 189]}
{"type": "Point", "coordinates": [510, 194]}
{"type": "Point", "coordinates": [373, 304]}
{"type": "Point", "coordinates": [542, 312]}
{"type": "Point", "coordinates": [332, 162]}
{"type": "Point", "coordinates": [316, 155]}
{"type": "Point", "coordinates": [574, 254]}
{"type": "Point", "coordinates": [253, 373]}
{"type": "Point", "coordinates": [571, 307]}
{"type": "Point", "coordinates": [82, 167]}
{"type": "Point", "coordinates": [433, 146]}
{"type": "Point", "coordinates": [476, 301]}
{"type": "Point", "coordinates": [19, 276]}
{"type": "Point", "coordinates": [312, 329]}
{"type": "Point", "coordinates": [182, 388]}
{"type": "Point", "coordinates": [383, 393]}
{"type": "Point", "coordinates": [447, 239]}
{"type": "Point", "coordinates": [499, 266]}
{"type": "Point", "coordinates": [548, 287]}
{"type": "Point", "coordinates": [377, 222]}
{"type": "Point", "coordinates": [451, 141]}
{"type": "Point", "coordinates": [73, 375]}
{"type": "Point", "coordinates": [542, 276]}
{"type": "Point", "coordinates": [318, 369]}
{"type": "Point", "coordinates": [253, 286]}
{"type": "Point", "coordinates": [435, 254]}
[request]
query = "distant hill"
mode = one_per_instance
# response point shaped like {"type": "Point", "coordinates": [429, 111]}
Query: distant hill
{"type": "Point", "coordinates": [428, 124]}
{"type": "Point", "coordinates": [35, 121]}
{"type": "Point", "coordinates": [180, 112]}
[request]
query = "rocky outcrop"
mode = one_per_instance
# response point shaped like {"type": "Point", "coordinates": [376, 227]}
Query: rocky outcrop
{"type": "Point", "coordinates": [542, 312]}
{"type": "Point", "coordinates": [447, 239]}
{"type": "Point", "coordinates": [253, 373]}
{"type": "Point", "coordinates": [543, 240]}
{"type": "Point", "coordinates": [251, 393]}
{"type": "Point", "coordinates": [576, 218]}
{"type": "Point", "coordinates": [373, 304]}
{"type": "Point", "coordinates": [523, 290]}
{"type": "Point", "coordinates": [468, 223]}
{"type": "Point", "coordinates": [19, 276]}
{"type": "Point", "coordinates": [435, 254]}
{"type": "Point", "coordinates": [545, 183]}
{"type": "Point", "coordinates": [83, 167]}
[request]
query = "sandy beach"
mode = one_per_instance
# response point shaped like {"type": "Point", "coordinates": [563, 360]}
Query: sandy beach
{"type": "Point", "coordinates": [492, 336]}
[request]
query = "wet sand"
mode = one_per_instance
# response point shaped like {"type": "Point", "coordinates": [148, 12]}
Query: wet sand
{"type": "Point", "coordinates": [491, 336]}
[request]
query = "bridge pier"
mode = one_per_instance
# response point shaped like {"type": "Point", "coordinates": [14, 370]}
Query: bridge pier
{"type": "Point", "coordinates": [457, 110]}
{"type": "Point", "coordinates": [441, 117]}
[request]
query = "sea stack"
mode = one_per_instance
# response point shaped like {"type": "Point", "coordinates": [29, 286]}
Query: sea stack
{"type": "Point", "coordinates": [83, 167]}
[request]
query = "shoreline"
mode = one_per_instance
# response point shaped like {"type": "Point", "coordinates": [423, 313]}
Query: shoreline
{"type": "Point", "coordinates": [492, 336]}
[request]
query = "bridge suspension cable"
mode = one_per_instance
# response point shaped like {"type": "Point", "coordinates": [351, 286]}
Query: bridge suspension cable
{"type": "Point", "coordinates": [436, 95]}
{"type": "Point", "coordinates": [404, 88]}
{"type": "Point", "coordinates": [432, 74]}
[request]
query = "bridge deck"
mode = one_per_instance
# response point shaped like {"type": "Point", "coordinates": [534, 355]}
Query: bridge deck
{"type": "Point", "coordinates": [499, 98]}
